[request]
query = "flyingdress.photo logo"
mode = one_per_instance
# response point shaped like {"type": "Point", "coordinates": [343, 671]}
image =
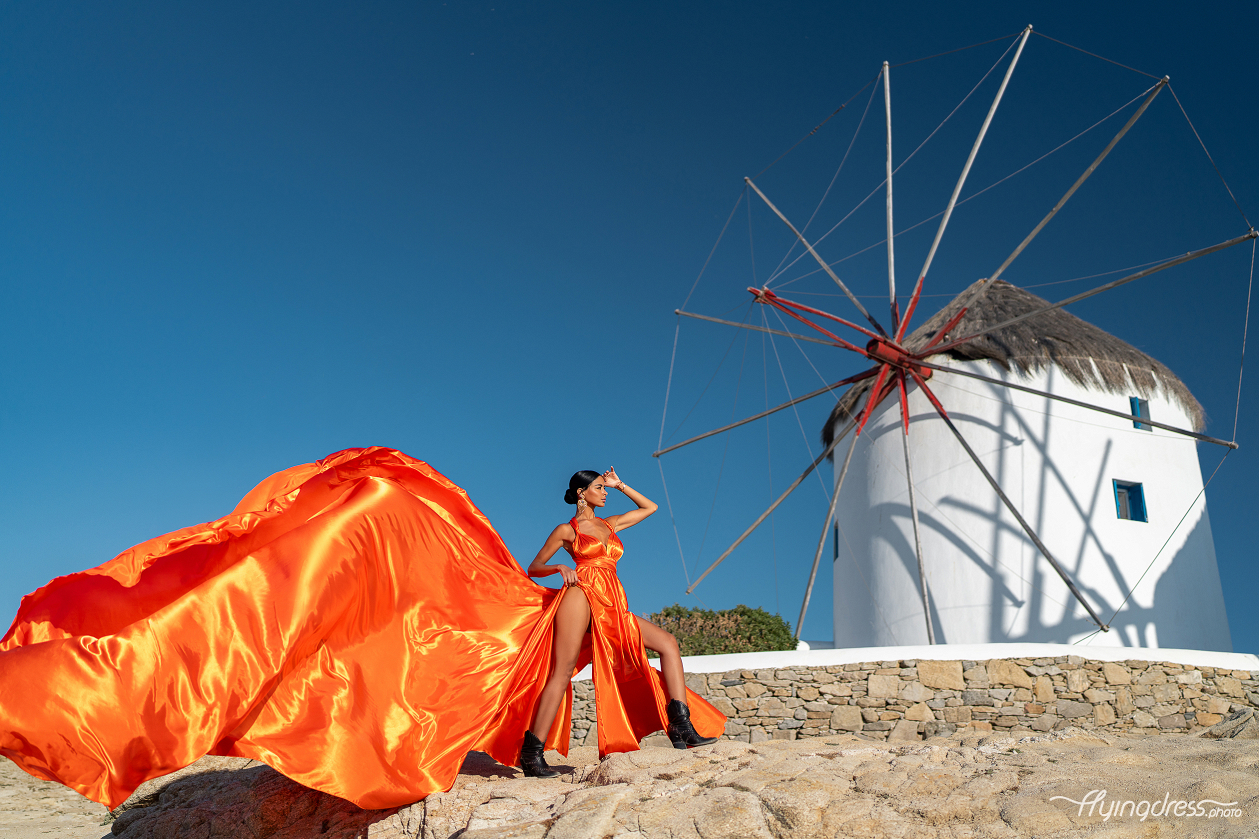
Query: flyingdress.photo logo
{"type": "Point", "coordinates": [1097, 804]}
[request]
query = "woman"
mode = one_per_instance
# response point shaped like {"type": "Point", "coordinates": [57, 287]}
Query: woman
{"type": "Point", "coordinates": [355, 623]}
{"type": "Point", "coordinates": [593, 618]}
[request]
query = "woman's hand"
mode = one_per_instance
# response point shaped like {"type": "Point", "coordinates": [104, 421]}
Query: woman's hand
{"type": "Point", "coordinates": [569, 575]}
{"type": "Point", "coordinates": [645, 505]}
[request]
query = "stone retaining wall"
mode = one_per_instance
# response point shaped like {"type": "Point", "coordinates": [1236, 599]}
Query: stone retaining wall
{"type": "Point", "coordinates": [910, 700]}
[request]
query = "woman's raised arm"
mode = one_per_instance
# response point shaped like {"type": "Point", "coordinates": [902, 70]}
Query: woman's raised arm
{"type": "Point", "coordinates": [645, 505]}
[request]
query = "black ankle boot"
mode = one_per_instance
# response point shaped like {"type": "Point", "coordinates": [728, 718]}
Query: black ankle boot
{"type": "Point", "coordinates": [681, 733]}
{"type": "Point", "coordinates": [531, 759]}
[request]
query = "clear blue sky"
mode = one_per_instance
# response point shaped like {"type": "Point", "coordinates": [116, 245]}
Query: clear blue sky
{"type": "Point", "coordinates": [237, 238]}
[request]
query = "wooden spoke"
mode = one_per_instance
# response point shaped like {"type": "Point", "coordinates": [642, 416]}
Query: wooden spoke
{"type": "Point", "coordinates": [1203, 437]}
{"type": "Point", "coordinates": [754, 328]}
{"type": "Point", "coordinates": [891, 237]}
{"type": "Point", "coordinates": [825, 453]}
{"type": "Point", "coordinates": [913, 510]}
{"type": "Point", "coordinates": [1009, 505]}
{"type": "Point", "coordinates": [821, 542]}
{"type": "Point", "coordinates": [978, 292]}
{"type": "Point", "coordinates": [957, 190]}
{"type": "Point", "coordinates": [819, 259]}
{"type": "Point", "coordinates": [863, 375]}
{"type": "Point", "coordinates": [1171, 263]}
{"type": "Point", "coordinates": [774, 300]}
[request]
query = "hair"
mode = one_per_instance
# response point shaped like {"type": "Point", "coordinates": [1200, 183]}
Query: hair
{"type": "Point", "coordinates": [578, 482]}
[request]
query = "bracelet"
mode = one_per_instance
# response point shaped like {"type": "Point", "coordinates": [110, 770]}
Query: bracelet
{"type": "Point", "coordinates": [622, 486]}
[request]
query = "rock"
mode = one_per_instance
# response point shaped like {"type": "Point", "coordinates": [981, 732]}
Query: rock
{"type": "Point", "coordinates": [772, 707]}
{"type": "Point", "coordinates": [1003, 672]}
{"type": "Point", "coordinates": [904, 730]}
{"type": "Point", "coordinates": [1069, 709]}
{"type": "Point", "coordinates": [1045, 722]}
{"type": "Point", "coordinates": [588, 812]}
{"type": "Point", "coordinates": [797, 806]}
{"type": "Point", "coordinates": [915, 692]}
{"type": "Point", "coordinates": [1115, 675]}
{"type": "Point", "coordinates": [883, 687]}
{"type": "Point", "coordinates": [919, 713]}
{"type": "Point", "coordinates": [1228, 685]}
{"type": "Point", "coordinates": [1243, 725]}
{"type": "Point", "coordinates": [941, 675]}
{"type": "Point", "coordinates": [257, 801]}
{"type": "Point", "coordinates": [900, 772]}
{"type": "Point", "coordinates": [1043, 690]}
{"type": "Point", "coordinates": [847, 718]}
{"type": "Point", "coordinates": [976, 676]}
{"type": "Point", "coordinates": [1215, 705]}
{"type": "Point", "coordinates": [516, 830]}
{"type": "Point", "coordinates": [967, 785]}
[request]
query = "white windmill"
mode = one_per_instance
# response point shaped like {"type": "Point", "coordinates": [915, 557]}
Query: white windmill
{"type": "Point", "coordinates": [1030, 471]}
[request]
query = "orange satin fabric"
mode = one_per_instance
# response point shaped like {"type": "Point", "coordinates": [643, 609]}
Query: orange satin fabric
{"type": "Point", "coordinates": [630, 697]}
{"type": "Point", "coordinates": [355, 623]}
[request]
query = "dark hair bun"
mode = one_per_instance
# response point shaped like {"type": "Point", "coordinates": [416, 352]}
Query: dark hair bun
{"type": "Point", "coordinates": [579, 482]}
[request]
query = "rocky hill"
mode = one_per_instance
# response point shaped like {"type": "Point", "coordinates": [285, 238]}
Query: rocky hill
{"type": "Point", "coordinates": [969, 784]}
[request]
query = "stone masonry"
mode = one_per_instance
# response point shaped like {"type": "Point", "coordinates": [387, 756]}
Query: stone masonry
{"type": "Point", "coordinates": [913, 700]}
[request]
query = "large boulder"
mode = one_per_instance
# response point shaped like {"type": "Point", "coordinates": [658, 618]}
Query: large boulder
{"type": "Point", "coordinates": [1051, 785]}
{"type": "Point", "coordinates": [1242, 725]}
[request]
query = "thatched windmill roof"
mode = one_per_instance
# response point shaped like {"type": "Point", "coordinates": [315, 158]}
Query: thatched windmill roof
{"type": "Point", "coordinates": [1086, 355]}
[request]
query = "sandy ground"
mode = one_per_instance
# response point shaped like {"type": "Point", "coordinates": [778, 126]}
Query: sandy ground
{"type": "Point", "coordinates": [31, 808]}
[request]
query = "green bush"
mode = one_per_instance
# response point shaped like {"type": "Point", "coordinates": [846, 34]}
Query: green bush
{"type": "Point", "coordinates": [738, 630]}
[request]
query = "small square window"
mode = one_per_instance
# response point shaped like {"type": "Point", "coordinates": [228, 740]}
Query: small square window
{"type": "Point", "coordinates": [1139, 407]}
{"type": "Point", "coordinates": [1130, 501]}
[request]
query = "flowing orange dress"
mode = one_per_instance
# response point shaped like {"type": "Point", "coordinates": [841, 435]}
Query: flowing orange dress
{"type": "Point", "coordinates": [630, 697]}
{"type": "Point", "coordinates": [355, 623]}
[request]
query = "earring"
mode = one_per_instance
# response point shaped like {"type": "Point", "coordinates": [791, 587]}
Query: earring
{"type": "Point", "coordinates": [581, 502]}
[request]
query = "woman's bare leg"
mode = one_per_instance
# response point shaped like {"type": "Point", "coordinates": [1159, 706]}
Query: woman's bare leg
{"type": "Point", "coordinates": [572, 620]}
{"type": "Point", "coordinates": [655, 638]}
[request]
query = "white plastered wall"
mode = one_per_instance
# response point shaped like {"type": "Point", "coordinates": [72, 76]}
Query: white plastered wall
{"type": "Point", "coordinates": [1056, 462]}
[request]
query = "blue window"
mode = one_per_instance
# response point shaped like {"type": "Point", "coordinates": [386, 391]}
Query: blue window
{"type": "Point", "coordinates": [1139, 407]}
{"type": "Point", "coordinates": [1130, 501]}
